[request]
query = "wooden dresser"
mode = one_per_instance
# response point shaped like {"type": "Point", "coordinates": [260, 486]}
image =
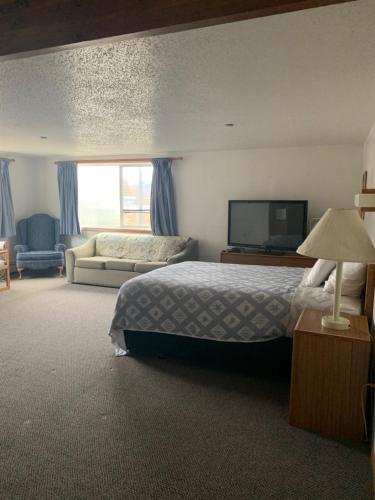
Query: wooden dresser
{"type": "Point", "coordinates": [260, 259]}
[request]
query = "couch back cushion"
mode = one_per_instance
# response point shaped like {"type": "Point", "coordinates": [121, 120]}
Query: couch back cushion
{"type": "Point", "coordinates": [139, 247]}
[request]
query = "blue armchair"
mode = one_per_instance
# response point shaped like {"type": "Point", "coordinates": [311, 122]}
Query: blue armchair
{"type": "Point", "coordinates": [40, 247]}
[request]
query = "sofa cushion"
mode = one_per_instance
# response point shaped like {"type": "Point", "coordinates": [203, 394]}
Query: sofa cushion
{"type": "Point", "coordinates": [123, 246]}
{"type": "Point", "coordinates": [145, 267]}
{"type": "Point", "coordinates": [40, 255]}
{"type": "Point", "coordinates": [139, 247]}
{"type": "Point", "coordinates": [92, 262]}
{"type": "Point", "coordinates": [102, 277]}
{"type": "Point", "coordinates": [164, 247]}
{"type": "Point", "coordinates": [121, 264]}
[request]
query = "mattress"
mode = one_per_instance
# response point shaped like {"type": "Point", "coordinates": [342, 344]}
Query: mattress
{"type": "Point", "coordinates": [221, 302]}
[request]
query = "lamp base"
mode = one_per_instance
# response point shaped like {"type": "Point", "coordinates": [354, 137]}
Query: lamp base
{"type": "Point", "coordinates": [339, 323]}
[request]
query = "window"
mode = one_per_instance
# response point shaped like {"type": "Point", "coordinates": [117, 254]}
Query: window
{"type": "Point", "coordinates": [136, 195]}
{"type": "Point", "coordinates": [115, 195]}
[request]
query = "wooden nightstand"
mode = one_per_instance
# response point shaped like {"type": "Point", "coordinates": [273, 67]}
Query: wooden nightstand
{"type": "Point", "coordinates": [329, 369]}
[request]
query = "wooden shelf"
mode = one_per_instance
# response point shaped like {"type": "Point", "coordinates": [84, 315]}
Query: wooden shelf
{"type": "Point", "coordinates": [4, 256]}
{"type": "Point", "coordinates": [366, 190]}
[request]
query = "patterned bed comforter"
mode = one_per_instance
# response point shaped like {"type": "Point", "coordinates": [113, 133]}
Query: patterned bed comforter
{"type": "Point", "coordinates": [225, 302]}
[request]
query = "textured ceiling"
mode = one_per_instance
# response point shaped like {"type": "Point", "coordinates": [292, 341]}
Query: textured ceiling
{"type": "Point", "coordinates": [295, 79]}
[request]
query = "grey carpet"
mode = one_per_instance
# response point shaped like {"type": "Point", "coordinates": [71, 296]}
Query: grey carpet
{"type": "Point", "coordinates": [78, 423]}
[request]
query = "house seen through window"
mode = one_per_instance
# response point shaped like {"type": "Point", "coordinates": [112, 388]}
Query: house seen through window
{"type": "Point", "coordinates": [115, 195]}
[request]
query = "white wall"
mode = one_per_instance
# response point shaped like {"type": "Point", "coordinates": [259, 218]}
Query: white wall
{"type": "Point", "coordinates": [24, 181]}
{"type": "Point", "coordinates": [369, 165]}
{"type": "Point", "coordinates": [47, 188]}
{"type": "Point", "coordinates": [327, 176]}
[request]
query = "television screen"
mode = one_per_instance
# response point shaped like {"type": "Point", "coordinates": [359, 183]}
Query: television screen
{"type": "Point", "coordinates": [279, 225]}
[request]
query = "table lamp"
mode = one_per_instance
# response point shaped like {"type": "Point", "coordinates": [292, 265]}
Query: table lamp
{"type": "Point", "coordinates": [340, 235]}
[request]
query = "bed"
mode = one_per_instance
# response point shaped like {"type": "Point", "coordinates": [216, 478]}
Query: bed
{"type": "Point", "coordinates": [221, 302]}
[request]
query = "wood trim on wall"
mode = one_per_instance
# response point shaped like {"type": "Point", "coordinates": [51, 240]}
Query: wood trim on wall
{"type": "Point", "coordinates": [115, 230]}
{"type": "Point", "coordinates": [119, 161]}
{"type": "Point", "coordinates": [369, 293]}
{"type": "Point", "coordinates": [35, 26]}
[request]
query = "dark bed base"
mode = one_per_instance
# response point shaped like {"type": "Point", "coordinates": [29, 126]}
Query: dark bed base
{"type": "Point", "coordinates": [271, 358]}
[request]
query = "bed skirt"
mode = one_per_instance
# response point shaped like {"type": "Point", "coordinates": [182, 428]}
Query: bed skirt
{"type": "Point", "coordinates": [272, 357]}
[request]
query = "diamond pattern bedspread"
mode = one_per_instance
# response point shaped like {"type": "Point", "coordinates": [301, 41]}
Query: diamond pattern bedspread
{"type": "Point", "coordinates": [225, 302]}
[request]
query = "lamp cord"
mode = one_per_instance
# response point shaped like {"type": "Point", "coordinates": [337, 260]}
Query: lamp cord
{"type": "Point", "coordinates": [363, 407]}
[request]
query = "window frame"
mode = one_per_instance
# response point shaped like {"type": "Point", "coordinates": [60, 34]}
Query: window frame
{"type": "Point", "coordinates": [121, 228]}
{"type": "Point", "coordinates": [121, 167]}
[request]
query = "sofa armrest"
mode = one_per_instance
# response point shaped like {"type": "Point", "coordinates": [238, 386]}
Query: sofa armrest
{"type": "Point", "coordinates": [190, 252]}
{"type": "Point", "coordinates": [85, 250]}
{"type": "Point", "coordinates": [21, 248]}
{"type": "Point", "coordinates": [60, 247]}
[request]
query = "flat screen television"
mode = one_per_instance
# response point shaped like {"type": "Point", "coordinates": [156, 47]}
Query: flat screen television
{"type": "Point", "coordinates": [265, 224]}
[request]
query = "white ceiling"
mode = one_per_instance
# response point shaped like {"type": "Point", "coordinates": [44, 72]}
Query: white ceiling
{"type": "Point", "coordinates": [303, 78]}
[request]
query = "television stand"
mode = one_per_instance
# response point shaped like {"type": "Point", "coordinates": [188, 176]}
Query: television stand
{"type": "Point", "coordinates": [266, 259]}
{"type": "Point", "coordinates": [257, 251]}
{"type": "Point", "coordinates": [274, 252]}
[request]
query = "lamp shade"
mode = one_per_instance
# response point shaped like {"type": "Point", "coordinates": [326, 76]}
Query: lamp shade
{"type": "Point", "coordinates": [339, 235]}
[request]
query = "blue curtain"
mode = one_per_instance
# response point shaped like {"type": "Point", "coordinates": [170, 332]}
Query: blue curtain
{"type": "Point", "coordinates": [7, 221]}
{"type": "Point", "coordinates": [68, 193]}
{"type": "Point", "coordinates": [163, 208]}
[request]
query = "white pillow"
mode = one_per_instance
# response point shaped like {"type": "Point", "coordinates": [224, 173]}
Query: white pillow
{"type": "Point", "coordinates": [353, 279]}
{"type": "Point", "coordinates": [318, 273]}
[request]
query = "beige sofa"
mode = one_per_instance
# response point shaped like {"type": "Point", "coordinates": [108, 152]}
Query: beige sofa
{"type": "Point", "coordinates": [109, 259]}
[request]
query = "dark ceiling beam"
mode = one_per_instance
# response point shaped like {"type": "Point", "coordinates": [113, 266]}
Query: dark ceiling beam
{"type": "Point", "coordinates": [29, 26]}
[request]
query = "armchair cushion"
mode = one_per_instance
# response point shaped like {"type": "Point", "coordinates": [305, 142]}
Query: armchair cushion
{"type": "Point", "coordinates": [39, 232]}
{"type": "Point", "coordinates": [60, 247]}
{"type": "Point", "coordinates": [21, 248]}
{"type": "Point", "coordinates": [46, 255]}
{"type": "Point", "coordinates": [39, 243]}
